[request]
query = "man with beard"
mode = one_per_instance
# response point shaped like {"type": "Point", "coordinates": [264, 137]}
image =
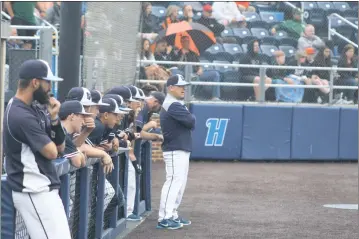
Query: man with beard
{"type": "Point", "coordinates": [29, 152]}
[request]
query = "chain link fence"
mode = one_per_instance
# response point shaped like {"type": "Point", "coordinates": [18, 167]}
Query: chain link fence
{"type": "Point", "coordinates": [263, 33]}
{"type": "Point", "coordinates": [110, 45]}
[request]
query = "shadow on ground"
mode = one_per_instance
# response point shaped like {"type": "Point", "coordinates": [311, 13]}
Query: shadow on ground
{"type": "Point", "coordinates": [261, 200]}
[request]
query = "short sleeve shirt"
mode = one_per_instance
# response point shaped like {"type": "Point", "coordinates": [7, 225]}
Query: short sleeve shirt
{"type": "Point", "coordinates": [70, 148]}
{"type": "Point", "coordinates": [24, 137]}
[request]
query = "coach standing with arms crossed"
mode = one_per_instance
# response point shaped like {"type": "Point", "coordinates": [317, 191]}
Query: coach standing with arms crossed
{"type": "Point", "coordinates": [29, 150]}
{"type": "Point", "coordinates": [177, 124]}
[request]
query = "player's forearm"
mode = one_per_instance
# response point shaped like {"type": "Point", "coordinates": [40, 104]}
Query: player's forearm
{"type": "Point", "coordinates": [91, 151]}
{"type": "Point", "coordinates": [148, 136]}
{"type": "Point", "coordinates": [8, 8]}
{"type": "Point", "coordinates": [81, 138]}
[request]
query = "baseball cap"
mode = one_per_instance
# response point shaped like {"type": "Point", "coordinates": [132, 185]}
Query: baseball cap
{"type": "Point", "coordinates": [96, 97]}
{"type": "Point", "coordinates": [119, 101]}
{"type": "Point", "coordinates": [310, 51]}
{"type": "Point", "coordinates": [135, 93]}
{"type": "Point", "coordinates": [207, 8]}
{"type": "Point", "coordinates": [176, 80]}
{"type": "Point", "coordinates": [123, 91]}
{"type": "Point", "coordinates": [81, 94]}
{"type": "Point", "coordinates": [112, 106]}
{"type": "Point", "coordinates": [39, 69]}
{"type": "Point", "coordinates": [141, 92]}
{"type": "Point", "coordinates": [158, 96]}
{"type": "Point", "coordinates": [71, 107]}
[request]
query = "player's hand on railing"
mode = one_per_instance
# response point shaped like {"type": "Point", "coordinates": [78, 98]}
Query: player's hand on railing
{"type": "Point", "coordinates": [115, 144]}
{"type": "Point", "coordinates": [159, 138]}
{"type": "Point", "coordinates": [107, 164]}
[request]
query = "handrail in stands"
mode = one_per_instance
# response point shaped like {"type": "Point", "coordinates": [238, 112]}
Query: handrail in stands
{"type": "Point", "coordinates": [334, 32]}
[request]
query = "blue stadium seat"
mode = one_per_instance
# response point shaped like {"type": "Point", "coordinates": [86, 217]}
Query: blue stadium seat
{"type": "Point", "coordinates": [260, 32]}
{"type": "Point", "coordinates": [243, 35]}
{"type": "Point", "coordinates": [281, 34]}
{"type": "Point", "coordinates": [272, 17]}
{"type": "Point", "coordinates": [264, 6]}
{"type": "Point", "coordinates": [197, 15]}
{"type": "Point", "coordinates": [258, 24]}
{"type": "Point", "coordinates": [335, 21]}
{"type": "Point", "coordinates": [309, 5]}
{"type": "Point", "coordinates": [268, 49]}
{"type": "Point", "coordinates": [159, 11]}
{"type": "Point", "coordinates": [288, 50]}
{"type": "Point", "coordinates": [316, 17]}
{"type": "Point", "coordinates": [341, 6]}
{"type": "Point", "coordinates": [223, 68]}
{"type": "Point", "coordinates": [270, 40]}
{"type": "Point", "coordinates": [233, 49]}
{"type": "Point", "coordinates": [211, 52]}
{"type": "Point", "coordinates": [227, 32]}
{"type": "Point", "coordinates": [251, 16]}
{"type": "Point", "coordinates": [206, 67]}
{"type": "Point", "coordinates": [196, 6]}
{"type": "Point", "coordinates": [328, 7]}
{"type": "Point", "coordinates": [244, 48]}
{"type": "Point", "coordinates": [288, 41]}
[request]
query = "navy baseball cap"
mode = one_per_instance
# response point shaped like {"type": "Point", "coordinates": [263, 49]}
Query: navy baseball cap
{"type": "Point", "coordinates": [112, 106]}
{"type": "Point", "coordinates": [96, 97]}
{"type": "Point", "coordinates": [81, 94]}
{"type": "Point", "coordinates": [38, 69]}
{"type": "Point", "coordinates": [176, 80]}
{"type": "Point", "coordinates": [119, 101]}
{"type": "Point", "coordinates": [71, 107]}
{"type": "Point", "coordinates": [123, 91]}
{"type": "Point", "coordinates": [135, 92]}
{"type": "Point", "coordinates": [159, 96]}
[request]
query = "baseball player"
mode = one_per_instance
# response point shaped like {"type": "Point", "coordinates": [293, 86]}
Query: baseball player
{"type": "Point", "coordinates": [177, 124]}
{"type": "Point", "coordinates": [29, 152]}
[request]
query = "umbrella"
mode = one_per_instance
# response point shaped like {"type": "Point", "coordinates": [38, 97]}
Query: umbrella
{"type": "Point", "coordinates": [200, 37]}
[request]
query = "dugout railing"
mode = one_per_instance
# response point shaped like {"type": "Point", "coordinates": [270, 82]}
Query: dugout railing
{"type": "Point", "coordinates": [262, 72]}
{"type": "Point", "coordinates": [84, 192]}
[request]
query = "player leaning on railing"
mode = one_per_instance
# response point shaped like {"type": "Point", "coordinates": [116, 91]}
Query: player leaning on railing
{"type": "Point", "coordinates": [29, 151]}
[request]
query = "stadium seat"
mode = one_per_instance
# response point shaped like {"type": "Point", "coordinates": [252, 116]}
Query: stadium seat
{"type": "Point", "coordinates": [159, 11]}
{"type": "Point", "coordinates": [341, 6]}
{"type": "Point", "coordinates": [227, 32]}
{"type": "Point", "coordinates": [335, 21]}
{"type": "Point", "coordinates": [211, 52]}
{"type": "Point", "coordinates": [350, 13]}
{"type": "Point", "coordinates": [309, 5]}
{"type": "Point", "coordinates": [270, 40]}
{"type": "Point", "coordinates": [272, 17]}
{"type": "Point", "coordinates": [223, 68]}
{"type": "Point", "coordinates": [206, 67]}
{"type": "Point", "coordinates": [234, 50]}
{"type": "Point", "coordinates": [244, 48]}
{"type": "Point", "coordinates": [260, 32]}
{"type": "Point", "coordinates": [281, 34]}
{"type": "Point", "coordinates": [288, 50]}
{"type": "Point", "coordinates": [316, 17]}
{"type": "Point", "coordinates": [288, 41]}
{"type": "Point", "coordinates": [328, 7]}
{"type": "Point", "coordinates": [197, 15]}
{"type": "Point", "coordinates": [264, 6]}
{"type": "Point", "coordinates": [251, 16]}
{"type": "Point", "coordinates": [243, 35]}
{"type": "Point", "coordinates": [268, 49]}
{"type": "Point", "coordinates": [232, 40]}
{"type": "Point", "coordinates": [258, 24]}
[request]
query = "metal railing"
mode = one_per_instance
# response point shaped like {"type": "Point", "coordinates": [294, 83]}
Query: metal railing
{"type": "Point", "coordinates": [262, 69]}
{"type": "Point", "coordinates": [334, 32]}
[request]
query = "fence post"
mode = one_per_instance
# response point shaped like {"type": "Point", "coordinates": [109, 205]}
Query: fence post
{"type": "Point", "coordinates": [262, 72]}
{"type": "Point", "coordinates": [100, 198]}
{"type": "Point", "coordinates": [84, 199]}
{"type": "Point", "coordinates": [115, 181]}
{"type": "Point", "coordinates": [148, 171]}
{"type": "Point", "coordinates": [331, 83]}
{"type": "Point", "coordinates": [137, 152]}
{"type": "Point", "coordinates": [188, 89]}
{"type": "Point", "coordinates": [45, 51]}
{"type": "Point", "coordinates": [65, 192]}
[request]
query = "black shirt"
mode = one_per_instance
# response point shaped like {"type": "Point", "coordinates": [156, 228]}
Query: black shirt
{"type": "Point", "coordinates": [100, 134]}
{"type": "Point", "coordinates": [24, 136]}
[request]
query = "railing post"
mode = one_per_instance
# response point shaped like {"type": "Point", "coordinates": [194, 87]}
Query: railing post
{"type": "Point", "coordinates": [84, 199]}
{"type": "Point", "coordinates": [100, 200]}
{"type": "Point", "coordinates": [331, 83]}
{"type": "Point", "coordinates": [115, 181]}
{"type": "Point", "coordinates": [262, 76]}
{"type": "Point", "coordinates": [188, 89]}
{"type": "Point", "coordinates": [148, 171]}
{"type": "Point", "coordinates": [329, 27]}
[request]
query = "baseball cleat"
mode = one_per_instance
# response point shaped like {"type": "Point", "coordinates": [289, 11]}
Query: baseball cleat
{"type": "Point", "coordinates": [183, 221]}
{"type": "Point", "coordinates": [169, 224]}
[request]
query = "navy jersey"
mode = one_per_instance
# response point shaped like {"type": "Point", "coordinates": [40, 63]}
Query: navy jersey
{"type": "Point", "coordinates": [177, 124]}
{"type": "Point", "coordinates": [100, 134]}
{"type": "Point", "coordinates": [24, 136]}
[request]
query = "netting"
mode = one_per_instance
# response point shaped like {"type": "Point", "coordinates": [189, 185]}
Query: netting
{"type": "Point", "coordinates": [110, 44]}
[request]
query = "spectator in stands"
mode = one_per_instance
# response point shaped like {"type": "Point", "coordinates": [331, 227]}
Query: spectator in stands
{"type": "Point", "coordinates": [309, 39]}
{"type": "Point", "coordinates": [72, 116]}
{"type": "Point", "coordinates": [210, 22]}
{"type": "Point", "coordinates": [53, 15]}
{"type": "Point", "coordinates": [171, 16]}
{"type": "Point", "coordinates": [12, 44]}
{"type": "Point", "coordinates": [250, 75]}
{"type": "Point", "coordinates": [165, 52]}
{"type": "Point", "coordinates": [349, 78]}
{"type": "Point", "coordinates": [245, 7]}
{"type": "Point", "coordinates": [228, 14]}
{"type": "Point", "coordinates": [150, 23]}
{"type": "Point", "coordinates": [151, 71]}
{"type": "Point", "coordinates": [22, 13]}
{"type": "Point", "coordinates": [293, 27]}
{"type": "Point", "coordinates": [187, 13]}
{"type": "Point", "coordinates": [147, 89]}
{"type": "Point", "coordinates": [186, 55]}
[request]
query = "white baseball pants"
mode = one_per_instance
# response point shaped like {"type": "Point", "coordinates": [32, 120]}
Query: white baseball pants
{"type": "Point", "coordinates": [131, 188]}
{"type": "Point", "coordinates": [43, 214]}
{"type": "Point", "coordinates": [177, 163]}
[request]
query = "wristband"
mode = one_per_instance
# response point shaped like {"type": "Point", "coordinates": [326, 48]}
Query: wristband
{"type": "Point", "coordinates": [57, 134]}
{"type": "Point", "coordinates": [54, 121]}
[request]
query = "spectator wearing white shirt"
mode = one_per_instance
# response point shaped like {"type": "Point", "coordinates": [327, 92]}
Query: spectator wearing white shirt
{"type": "Point", "coordinates": [309, 39]}
{"type": "Point", "coordinates": [227, 13]}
